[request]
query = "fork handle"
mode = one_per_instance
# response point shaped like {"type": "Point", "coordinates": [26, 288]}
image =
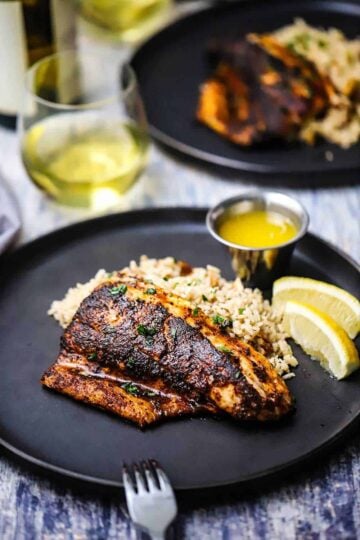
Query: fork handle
{"type": "Point", "coordinates": [157, 536]}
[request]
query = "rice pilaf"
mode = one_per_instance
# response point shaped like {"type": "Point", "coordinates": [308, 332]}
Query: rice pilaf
{"type": "Point", "coordinates": [337, 58]}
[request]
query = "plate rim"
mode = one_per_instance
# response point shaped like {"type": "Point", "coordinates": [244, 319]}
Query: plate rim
{"type": "Point", "coordinates": [190, 213]}
{"type": "Point", "coordinates": [209, 158]}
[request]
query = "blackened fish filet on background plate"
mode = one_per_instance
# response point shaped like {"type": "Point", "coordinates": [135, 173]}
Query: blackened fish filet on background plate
{"type": "Point", "coordinates": [148, 356]}
{"type": "Point", "coordinates": [260, 90]}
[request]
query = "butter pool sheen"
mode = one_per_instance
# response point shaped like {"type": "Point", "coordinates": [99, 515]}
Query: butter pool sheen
{"type": "Point", "coordinates": [258, 229]}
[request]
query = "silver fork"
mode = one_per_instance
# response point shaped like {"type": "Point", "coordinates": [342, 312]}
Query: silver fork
{"type": "Point", "coordinates": [150, 498]}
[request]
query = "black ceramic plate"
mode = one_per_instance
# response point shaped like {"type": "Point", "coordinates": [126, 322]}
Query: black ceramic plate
{"type": "Point", "coordinates": [172, 66]}
{"type": "Point", "coordinates": [80, 441]}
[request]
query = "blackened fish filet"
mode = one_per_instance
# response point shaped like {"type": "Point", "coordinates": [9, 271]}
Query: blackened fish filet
{"type": "Point", "coordinates": [150, 356]}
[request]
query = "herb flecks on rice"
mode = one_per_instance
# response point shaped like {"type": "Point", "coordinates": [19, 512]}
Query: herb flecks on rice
{"type": "Point", "coordinates": [337, 58]}
{"type": "Point", "coordinates": [243, 312]}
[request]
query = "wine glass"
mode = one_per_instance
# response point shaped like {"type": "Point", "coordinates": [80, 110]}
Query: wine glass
{"type": "Point", "coordinates": [84, 136]}
{"type": "Point", "coordinates": [127, 20]}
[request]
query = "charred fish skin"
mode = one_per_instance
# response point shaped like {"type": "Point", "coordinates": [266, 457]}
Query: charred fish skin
{"type": "Point", "coordinates": [156, 337]}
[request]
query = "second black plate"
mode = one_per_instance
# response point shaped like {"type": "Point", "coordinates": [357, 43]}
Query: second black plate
{"type": "Point", "coordinates": [172, 65]}
{"type": "Point", "coordinates": [80, 441]}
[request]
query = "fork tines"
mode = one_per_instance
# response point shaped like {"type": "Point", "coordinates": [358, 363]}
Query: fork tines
{"type": "Point", "coordinates": [145, 475]}
{"type": "Point", "coordinates": [149, 496]}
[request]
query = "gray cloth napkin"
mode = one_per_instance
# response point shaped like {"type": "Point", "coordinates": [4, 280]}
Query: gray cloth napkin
{"type": "Point", "coordinates": [9, 219]}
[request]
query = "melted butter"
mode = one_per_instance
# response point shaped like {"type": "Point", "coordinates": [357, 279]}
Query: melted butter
{"type": "Point", "coordinates": [258, 229]}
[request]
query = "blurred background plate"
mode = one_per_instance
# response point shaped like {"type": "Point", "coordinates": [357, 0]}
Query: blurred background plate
{"type": "Point", "coordinates": [172, 65]}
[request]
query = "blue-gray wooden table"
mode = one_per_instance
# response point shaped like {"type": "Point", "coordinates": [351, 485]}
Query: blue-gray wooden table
{"type": "Point", "coordinates": [320, 502]}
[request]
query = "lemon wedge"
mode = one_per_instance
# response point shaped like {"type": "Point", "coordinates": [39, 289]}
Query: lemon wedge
{"type": "Point", "coordinates": [321, 338]}
{"type": "Point", "coordinates": [342, 306]}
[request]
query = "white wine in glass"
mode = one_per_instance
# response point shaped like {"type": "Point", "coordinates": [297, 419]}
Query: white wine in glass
{"type": "Point", "coordinates": [129, 20]}
{"type": "Point", "coordinates": [84, 147]}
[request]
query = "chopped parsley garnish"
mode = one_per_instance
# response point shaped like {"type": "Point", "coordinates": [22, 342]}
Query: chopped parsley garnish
{"type": "Point", "coordinates": [173, 332]}
{"type": "Point", "coordinates": [195, 312]}
{"type": "Point", "coordinates": [224, 349]}
{"type": "Point", "coordinates": [130, 362]}
{"type": "Point", "coordinates": [304, 39]}
{"type": "Point", "coordinates": [151, 290]}
{"type": "Point", "coordinates": [165, 278]}
{"type": "Point", "coordinates": [120, 289]}
{"type": "Point", "coordinates": [291, 46]}
{"type": "Point", "coordinates": [92, 356]}
{"type": "Point", "coordinates": [146, 331]}
{"type": "Point", "coordinates": [217, 319]}
{"type": "Point", "coordinates": [322, 43]}
{"type": "Point", "coordinates": [241, 310]}
{"type": "Point", "coordinates": [221, 321]}
{"type": "Point", "coordinates": [301, 40]}
{"type": "Point", "coordinates": [205, 298]}
{"type": "Point", "coordinates": [135, 390]}
{"type": "Point", "coordinates": [130, 388]}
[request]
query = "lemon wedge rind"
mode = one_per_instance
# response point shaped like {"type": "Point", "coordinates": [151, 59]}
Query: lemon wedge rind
{"type": "Point", "coordinates": [342, 306]}
{"type": "Point", "coordinates": [322, 338]}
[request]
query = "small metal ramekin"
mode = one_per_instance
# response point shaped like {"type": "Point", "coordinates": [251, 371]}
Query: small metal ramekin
{"type": "Point", "coordinates": [259, 267]}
